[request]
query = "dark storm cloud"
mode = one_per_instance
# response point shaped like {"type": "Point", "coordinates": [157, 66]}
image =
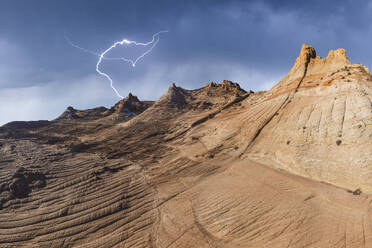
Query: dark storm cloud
{"type": "Point", "coordinates": [252, 42]}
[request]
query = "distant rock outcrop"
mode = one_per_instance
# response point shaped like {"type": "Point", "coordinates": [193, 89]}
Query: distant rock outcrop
{"type": "Point", "coordinates": [125, 108]}
{"type": "Point", "coordinates": [90, 114]}
{"type": "Point", "coordinates": [175, 96]}
{"type": "Point", "coordinates": [130, 106]}
{"type": "Point", "coordinates": [70, 113]}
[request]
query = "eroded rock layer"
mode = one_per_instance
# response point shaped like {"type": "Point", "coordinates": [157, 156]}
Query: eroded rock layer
{"type": "Point", "coordinates": [212, 167]}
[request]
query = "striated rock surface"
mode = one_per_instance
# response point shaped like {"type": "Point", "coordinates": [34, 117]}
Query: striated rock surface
{"type": "Point", "coordinates": [322, 130]}
{"type": "Point", "coordinates": [211, 167]}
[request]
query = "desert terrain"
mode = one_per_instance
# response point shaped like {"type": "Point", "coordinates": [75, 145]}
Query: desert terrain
{"type": "Point", "coordinates": [217, 167]}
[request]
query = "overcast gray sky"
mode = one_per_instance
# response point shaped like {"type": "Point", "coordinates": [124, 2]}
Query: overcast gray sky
{"type": "Point", "coordinates": [253, 43]}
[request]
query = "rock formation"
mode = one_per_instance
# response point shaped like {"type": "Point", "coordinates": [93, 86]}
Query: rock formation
{"type": "Point", "coordinates": [211, 167]}
{"type": "Point", "coordinates": [125, 108]}
{"type": "Point", "coordinates": [130, 106]}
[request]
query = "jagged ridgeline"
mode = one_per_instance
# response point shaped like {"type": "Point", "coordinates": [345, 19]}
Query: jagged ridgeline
{"type": "Point", "coordinates": [212, 167]}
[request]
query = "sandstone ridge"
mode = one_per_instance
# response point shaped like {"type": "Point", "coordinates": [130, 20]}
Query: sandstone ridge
{"type": "Point", "coordinates": [308, 63]}
{"type": "Point", "coordinates": [211, 167]}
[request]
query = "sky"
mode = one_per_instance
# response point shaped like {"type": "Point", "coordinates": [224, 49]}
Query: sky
{"type": "Point", "coordinates": [251, 42]}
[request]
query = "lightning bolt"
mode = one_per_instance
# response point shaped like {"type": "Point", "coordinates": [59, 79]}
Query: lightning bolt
{"type": "Point", "coordinates": [152, 44]}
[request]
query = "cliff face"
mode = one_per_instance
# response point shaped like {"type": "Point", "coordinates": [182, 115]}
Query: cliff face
{"type": "Point", "coordinates": [322, 130]}
{"type": "Point", "coordinates": [211, 167]}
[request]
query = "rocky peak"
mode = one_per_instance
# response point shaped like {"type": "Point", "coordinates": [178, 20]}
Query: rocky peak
{"type": "Point", "coordinates": [307, 53]}
{"type": "Point", "coordinates": [308, 64]}
{"type": "Point", "coordinates": [71, 109]}
{"type": "Point", "coordinates": [224, 88]}
{"type": "Point", "coordinates": [228, 85]}
{"type": "Point", "coordinates": [339, 54]}
{"type": "Point", "coordinates": [212, 85]}
{"type": "Point", "coordinates": [300, 66]}
{"type": "Point", "coordinates": [69, 113]}
{"type": "Point", "coordinates": [335, 60]}
{"type": "Point", "coordinates": [175, 96]}
{"type": "Point", "coordinates": [130, 103]}
{"type": "Point", "coordinates": [131, 99]}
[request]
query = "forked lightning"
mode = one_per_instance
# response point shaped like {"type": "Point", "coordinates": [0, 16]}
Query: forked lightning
{"type": "Point", "coordinates": [152, 44]}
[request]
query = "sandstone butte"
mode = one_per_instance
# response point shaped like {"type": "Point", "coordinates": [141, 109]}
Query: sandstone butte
{"type": "Point", "coordinates": [211, 167]}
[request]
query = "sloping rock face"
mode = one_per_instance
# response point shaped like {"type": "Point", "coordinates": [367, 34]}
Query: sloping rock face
{"type": "Point", "coordinates": [316, 122]}
{"type": "Point", "coordinates": [323, 129]}
{"type": "Point", "coordinates": [211, 167]}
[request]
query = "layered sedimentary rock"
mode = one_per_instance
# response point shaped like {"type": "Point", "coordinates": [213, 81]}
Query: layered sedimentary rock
{"type": "Point", "coordinates": [211, 167]}
{"type": "Point", "coordinates": [323, 130]}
